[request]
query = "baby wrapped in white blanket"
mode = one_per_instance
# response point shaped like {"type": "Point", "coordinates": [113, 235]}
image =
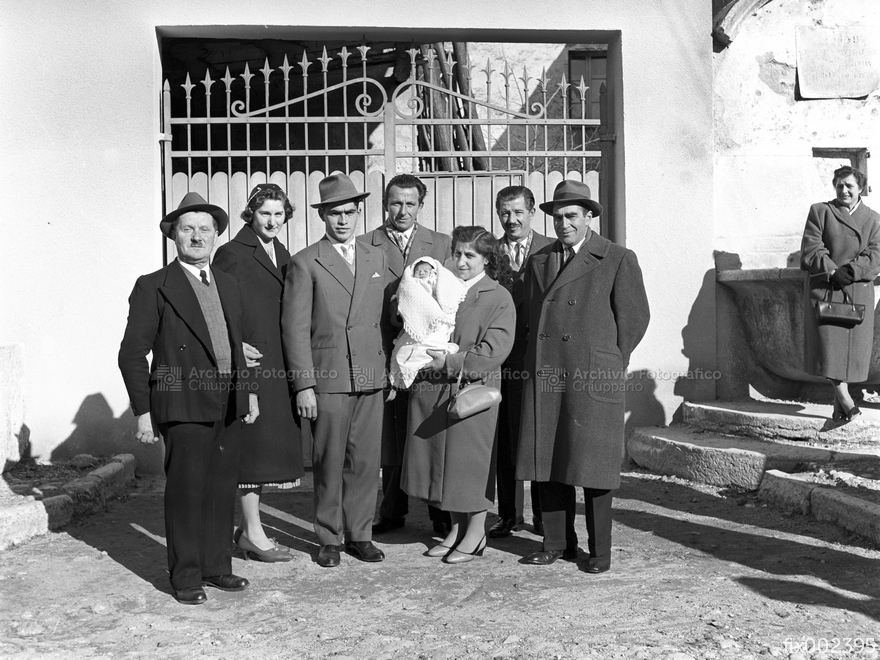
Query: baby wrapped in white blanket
{"type": "Point", "coordinates": [427, 300]}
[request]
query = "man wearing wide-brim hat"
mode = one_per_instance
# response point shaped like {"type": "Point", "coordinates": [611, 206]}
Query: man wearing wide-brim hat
{"type": "Point", "coordinates": [189, 316]}
{"type": "Point", "coordinates": [586, 311]}
{"type": "Point", "coordinates": [330, 318]}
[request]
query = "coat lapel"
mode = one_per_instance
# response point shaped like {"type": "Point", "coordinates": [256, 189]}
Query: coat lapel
{"type": "Point", "coordinates": [247, 236]}
{"type": "Point", "coordinates": [364, 260]}
{"type": "Point", "coordinates": [334, 264]}
{"type": "Point", "coordinates": [179, 293]}
{"type": "Point", "coordinates": [473, 294]}
{"type": "Point", "coordinates": [587, 258]}
{"type": "Point", "coordinates": [852, 221]}
{"type": "Point", "coordinates": [393, 257]}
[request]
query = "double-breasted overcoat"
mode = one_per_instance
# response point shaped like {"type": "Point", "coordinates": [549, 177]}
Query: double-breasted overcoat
{"type": "Point", "coordinates": [451, 463]}
{"type": "Point", "coordinates": [834, 237]}
{"type": "Point", "coordinates": [582, 327]}
{"type": "Point", "coordinates": [271, 447]}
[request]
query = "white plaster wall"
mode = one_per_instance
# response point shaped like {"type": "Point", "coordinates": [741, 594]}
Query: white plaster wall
{"type": "Point", "coordinates": [765, 175]}
{"type": "Point", "coordinates": [80, 177]}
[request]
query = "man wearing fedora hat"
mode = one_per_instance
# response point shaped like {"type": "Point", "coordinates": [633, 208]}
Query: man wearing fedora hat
{"type": "Point", "coordinates": [330, 318]}
{"type": "Point", "coordinates": [587, 310]}
{"type": "Point", "coordinates": [189, 316]}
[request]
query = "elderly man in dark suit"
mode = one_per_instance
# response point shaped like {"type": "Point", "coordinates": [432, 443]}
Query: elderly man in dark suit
{"type": "Point", "coordinates": [587, 311]}
{"type": "Point", "coordinates": [189, 316]}
{"type": "Point", "coordinates": [403, 240]}
{"type": "Point", "coordinates": [515, 206]}
{"type": "Point", "coordinates": [330, 317]}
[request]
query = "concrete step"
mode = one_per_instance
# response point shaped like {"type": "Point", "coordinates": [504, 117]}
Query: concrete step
{"type": "Point", "coordinates": [731, 460]}
{"type": "Point", "coordinates": [791, 420]}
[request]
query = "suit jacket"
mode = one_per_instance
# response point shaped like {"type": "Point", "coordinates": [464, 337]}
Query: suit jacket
{"type": "Point", "coordinates": [426, 243]}
{"type": "Point", "coordinates": [165, 318]}
{"type": "Point", "coordinates": [330, 319]}
{"type": "Point", "coordinates": [582, 327]}
{"type": "Point", "coordinates": [517, 292]}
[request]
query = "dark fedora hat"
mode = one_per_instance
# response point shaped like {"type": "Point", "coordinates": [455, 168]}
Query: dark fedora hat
{"type": "Point", "coordinates": [572, 192]}
{"type": "Point", "coordinates": [194, 202]}
{"type": "Point", "coordinates": [338, 188]}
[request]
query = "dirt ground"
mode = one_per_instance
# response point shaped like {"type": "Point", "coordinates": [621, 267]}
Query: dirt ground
{"type": "Point", "coordinates": [697, 573]}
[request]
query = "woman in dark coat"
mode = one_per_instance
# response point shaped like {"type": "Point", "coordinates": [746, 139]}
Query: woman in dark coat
{"type": "Point", "coordinates": [841, 253]}
{"type": "Point", "coordinates": [450, 463]}
{"type": "Point", "coordinates": [271, 448]}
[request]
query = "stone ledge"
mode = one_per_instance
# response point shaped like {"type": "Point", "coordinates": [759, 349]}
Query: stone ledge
{"type": "Point", "coordinates": [672, 451]}
{"type": "Point", "coordinates": [786, 492]}
{"type": "Point", "coordinates": [852, 513]}
{"type": "Point", "coordinates": [20, 522]}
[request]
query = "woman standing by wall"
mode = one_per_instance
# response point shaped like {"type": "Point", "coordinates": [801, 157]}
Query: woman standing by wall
{"type": "Point", "coordinates": [841, 253]}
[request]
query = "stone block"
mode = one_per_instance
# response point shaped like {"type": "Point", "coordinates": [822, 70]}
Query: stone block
{"type": "Point", "coordinates": [129, 464]}
{"type": "Point", "coordinates": [87, 493]}
{"type": "Point", "coordinates": [59, 510]}
{"type": "Point", "coordinates": [786, 492]}
{"type": "Point", "coordinates": [22, 521]}
{"type": "Point", "coordinates": [857, 515]}
{"type": "Point", "coordinates": [708, 465]}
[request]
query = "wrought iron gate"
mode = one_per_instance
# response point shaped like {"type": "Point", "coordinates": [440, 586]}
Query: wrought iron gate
{"type": "Point", "coordinates": [296, 123]}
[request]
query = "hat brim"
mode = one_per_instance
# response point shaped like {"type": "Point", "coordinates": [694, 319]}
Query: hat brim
{"type": "Point", "coordinates": [341, 198]}
{"type": "Point", "coordinates": [218, 214]}
{"type": "Point", "coordinates": [589, 204]}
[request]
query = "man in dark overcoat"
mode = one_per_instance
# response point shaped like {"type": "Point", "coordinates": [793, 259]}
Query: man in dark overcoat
{"type": "Point", "coordinates": [330, 314]}
{"type": "Point", "coordinates": [515, 207]}
{"type": "Point", "coordinates": [403, 240]}
{"type": "Point", "coordinates": [195, 391]}
{"type": "Point", "coordinates": [587, 311]}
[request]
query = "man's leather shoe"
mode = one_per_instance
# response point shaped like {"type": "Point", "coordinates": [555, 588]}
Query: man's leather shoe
{"type": "Point", "coordinates": [547, 557]}
{"type": "Point", "coordinates": [328, 556]}
{"type": "Point", "coordinates": [364, 550]}
{"type": "Point", "coordinates": [598, 565]}
{"type": "Point", "coordinates": [191, 596]}
{"type": "Point", "coordinates": [506, 526]}
{"type": "Point", "coordinates": [387, 524]}
{"type": "Point", "coordinates": [538, 524]}
{"type": "Point", "coordinates": [226, 582]}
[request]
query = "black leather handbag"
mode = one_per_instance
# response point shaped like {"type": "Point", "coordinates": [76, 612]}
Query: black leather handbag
{"type": "Point", "coordinates": [846, 313]}
{"type": "Point", "coordinates": [472, 398]}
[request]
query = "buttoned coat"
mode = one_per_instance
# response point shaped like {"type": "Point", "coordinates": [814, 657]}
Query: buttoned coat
{"type": "Point", "coordinates": [582, 327]}
{"type": "Point", "coordinates": [833, 238]}
{"type": "Point", "coordinates": [165, 318]}
{"type": "Point", "coordinates": [425, 243]}
{"type": "Point", "coordinates": [271, 447]}
{"type": "Point", "coordinates": [330, 319]}
{"type": "Point", "coordinates": [451, 463]}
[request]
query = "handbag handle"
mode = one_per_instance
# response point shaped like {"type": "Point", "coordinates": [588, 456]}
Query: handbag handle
{"type": "Point", "coordinates": [846, 297]}
{"type": "Point", "coordinates": [461, 373]}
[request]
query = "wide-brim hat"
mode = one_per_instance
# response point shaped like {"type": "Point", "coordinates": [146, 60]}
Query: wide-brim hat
{"type": "Point", "coordinates": [194, 202]}
{"type": "Point", "coordinates": [338, 188]}
{"type": "Point", "coordinates": [572, 192]}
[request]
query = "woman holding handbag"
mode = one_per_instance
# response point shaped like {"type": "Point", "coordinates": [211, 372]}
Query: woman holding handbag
{"type": "Point", "coordinates": [841, 253]}
{"type": "Point", "coordinates": [449, 460]}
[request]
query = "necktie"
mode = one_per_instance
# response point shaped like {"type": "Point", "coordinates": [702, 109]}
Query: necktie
{"type": "Point", "coordinates": [204, 277]}
{"type": "Point", "coordinates": [348, 255]}
{"type": "Point", "coordinates": [518, 250]}
{"type": "Point", "coordinates": [569, 255]}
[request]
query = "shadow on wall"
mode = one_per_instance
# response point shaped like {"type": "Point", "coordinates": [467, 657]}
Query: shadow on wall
{"type": "Point", "coordinates": [641, 401]}
{"type": "Point", "coordinates": [698, 346]}
{"type": "Point", "coordinates": [99, 433]}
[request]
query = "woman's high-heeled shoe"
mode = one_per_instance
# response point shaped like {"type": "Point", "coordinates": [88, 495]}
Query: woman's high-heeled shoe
{"type": "Point", "coordinates": [253, 551]}
{"type": "Point", "coordinates": [852, 412]}
{"type": "Point", "coordinates": [459, 557]}
{"type": "Point", "coordinates": [839, 413]}
{"type": "Point", "coordinates": [439, 550]}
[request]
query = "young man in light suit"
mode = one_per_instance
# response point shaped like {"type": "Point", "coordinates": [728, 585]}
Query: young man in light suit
{"type": "Point", "coordinates": [331, 310]}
